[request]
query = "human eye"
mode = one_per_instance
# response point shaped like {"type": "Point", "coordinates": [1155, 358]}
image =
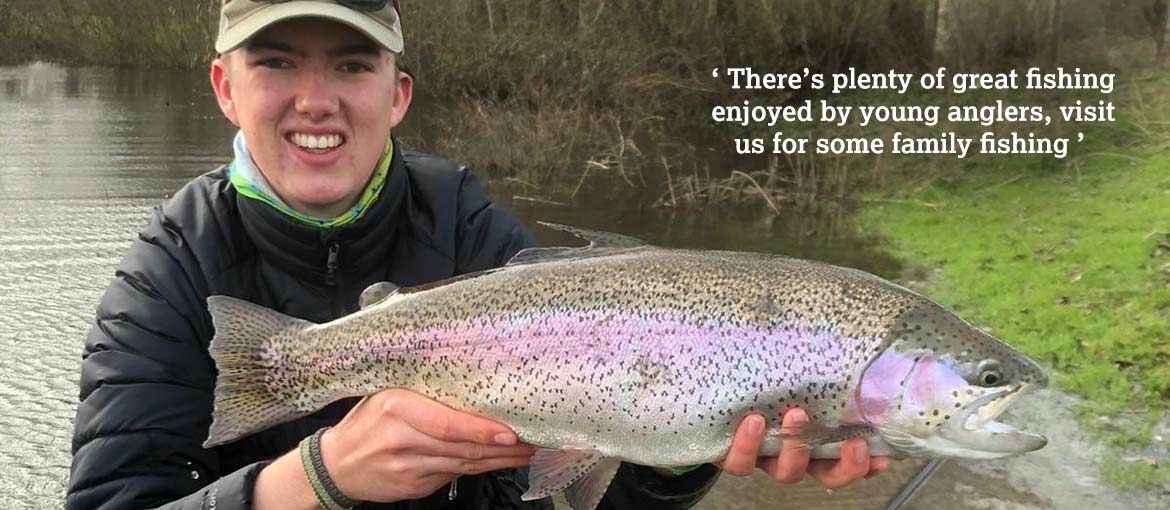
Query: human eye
{"type": "Point", "coordinates": [272, 63]}
{"type": "Point", "coordinates": [355, 67]}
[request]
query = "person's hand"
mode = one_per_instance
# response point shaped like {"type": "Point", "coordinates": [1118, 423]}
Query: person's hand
{"type": "Point", "coordinates": [793, 462]}
{"type": "Point", "coordinates": [397, 444]}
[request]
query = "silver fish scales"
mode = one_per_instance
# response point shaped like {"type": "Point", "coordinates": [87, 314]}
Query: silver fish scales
{"type": "Point", "coordinates": [623, 351]}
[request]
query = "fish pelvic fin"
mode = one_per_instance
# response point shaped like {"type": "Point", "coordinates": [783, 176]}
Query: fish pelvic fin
{"type": "Point", "coordinates": [241, 350]}
{"type": "Point", "coordinates": [583, 475]}
{"type": "Point", "coordinates": [586, 493]}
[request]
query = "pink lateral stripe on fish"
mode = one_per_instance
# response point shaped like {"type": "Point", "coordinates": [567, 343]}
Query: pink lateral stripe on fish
{"type": "Point", "coordinates": [623, 351]}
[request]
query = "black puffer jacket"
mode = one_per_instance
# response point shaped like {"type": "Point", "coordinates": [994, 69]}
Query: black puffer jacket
{"type": "Point", "coordinates": [147, 379]}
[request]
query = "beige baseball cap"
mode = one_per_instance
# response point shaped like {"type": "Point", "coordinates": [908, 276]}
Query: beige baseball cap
{"type": "Point", "coordinates": [242, 19]}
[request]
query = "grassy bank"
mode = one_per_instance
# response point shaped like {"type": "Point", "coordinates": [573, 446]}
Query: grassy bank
{"type": "Point", "coordinates": [1070, 265]}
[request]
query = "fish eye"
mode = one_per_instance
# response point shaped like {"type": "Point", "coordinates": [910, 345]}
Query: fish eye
{"type": "Point", "coordinates": [988, 373]}
{"type": "Point", "coordinates": [990, 377]}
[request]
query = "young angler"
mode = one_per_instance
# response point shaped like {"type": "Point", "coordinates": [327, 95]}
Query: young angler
{"type": "Point", "coordinates": [319, 203]}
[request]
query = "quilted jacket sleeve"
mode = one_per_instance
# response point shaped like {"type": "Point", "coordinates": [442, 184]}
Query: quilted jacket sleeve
{"type": "Point", "coordinates": [486, 235]}
{"type": "Point", "coordinates": [146, 390]}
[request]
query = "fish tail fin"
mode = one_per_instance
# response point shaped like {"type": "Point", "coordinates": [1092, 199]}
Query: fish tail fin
{"type": "Point", "coordinates": [241, 349]}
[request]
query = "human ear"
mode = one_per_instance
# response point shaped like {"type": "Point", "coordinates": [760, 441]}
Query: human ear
{"type": "Point", "coordinates": [221, 84]}
{"type": "Point", "coordinates": [403, 91]}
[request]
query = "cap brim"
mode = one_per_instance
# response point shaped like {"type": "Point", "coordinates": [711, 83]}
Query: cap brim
{"type": "Point", "coordinates": [235, 36]}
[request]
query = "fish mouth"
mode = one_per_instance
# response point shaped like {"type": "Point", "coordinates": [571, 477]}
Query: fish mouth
{"type": "Point", "coordinates": [976, 433]}
{"type": "Point", "coordinates": [973, 434]}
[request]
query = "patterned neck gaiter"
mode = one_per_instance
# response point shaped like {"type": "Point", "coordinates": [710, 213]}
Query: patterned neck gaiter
{"type": "Point", "coordinates": [249, 182]}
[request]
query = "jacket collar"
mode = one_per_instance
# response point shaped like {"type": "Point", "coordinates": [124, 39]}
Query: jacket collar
{"type": "Point", "coordinates": [323, 256]}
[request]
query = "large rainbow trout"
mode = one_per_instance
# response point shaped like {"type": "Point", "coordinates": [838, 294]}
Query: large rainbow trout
{"type": "Point", "coordinates": [623, 351]}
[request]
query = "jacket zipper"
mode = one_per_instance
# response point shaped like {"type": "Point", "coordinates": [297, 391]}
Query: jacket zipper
{"type": "Point", "coordinates": [331, 263]}
{"type": "Point", "coordinates": [333, 272]}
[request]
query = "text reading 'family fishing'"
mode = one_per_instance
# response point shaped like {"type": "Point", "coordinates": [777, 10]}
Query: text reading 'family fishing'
{"type": "Point", "coordinates": [1034, 111]}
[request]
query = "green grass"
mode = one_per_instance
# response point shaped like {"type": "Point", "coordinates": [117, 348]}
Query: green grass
{"type": "Point", "coordinates": [1132, 474]}
{"type": "Point", "coordinates": [1070, 266]}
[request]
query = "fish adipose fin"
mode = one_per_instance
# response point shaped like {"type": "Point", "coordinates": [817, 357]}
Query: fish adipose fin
{"type": "Point", "coordinates": [243, 404]}
{"type": "Point", "coordinates": [377, 293]}
{"type": "Point", "coordinates": [600, 243]}
{"type": "Point", "coordinates": [584, 476]}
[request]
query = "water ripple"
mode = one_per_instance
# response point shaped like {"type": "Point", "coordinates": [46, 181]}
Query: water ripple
{"type": "Point", "coordinates": [83, 162]}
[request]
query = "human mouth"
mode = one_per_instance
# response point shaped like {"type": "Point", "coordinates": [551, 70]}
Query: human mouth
{"type": "Point", "coordinates": [316, 143]}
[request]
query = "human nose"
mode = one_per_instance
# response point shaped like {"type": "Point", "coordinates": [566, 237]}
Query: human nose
{"type": "Point", "coordinates": [315, 98]}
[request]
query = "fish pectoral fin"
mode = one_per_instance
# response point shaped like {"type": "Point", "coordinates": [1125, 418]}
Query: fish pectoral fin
{"type": "Point", "coordinates": [376, 293]}
{"type": "Point", "coordinates": [813, 435]}
{"type": "Point", "coordinates": [584, 475]}
{"type": "Point", "coordinates": [878, 447]}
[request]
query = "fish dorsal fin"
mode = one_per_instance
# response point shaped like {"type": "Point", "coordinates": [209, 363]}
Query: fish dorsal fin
{"type": "Point", "coordinates": [600, 243]}
{"type": "Point", "coordinates": [547, 254]}
{"type": "Point", "coordinates": [584, 475]}
{"type": "Point", "coordinates": [376, 293]}
{"type": "Point", "coordinates": [597, 238]}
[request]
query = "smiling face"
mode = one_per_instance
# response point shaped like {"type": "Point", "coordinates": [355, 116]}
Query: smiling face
{"type": "Point", "coordinates": [316, 101]}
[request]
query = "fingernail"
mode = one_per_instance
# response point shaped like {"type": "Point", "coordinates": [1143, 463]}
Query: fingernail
{"type": "Point", "coordinates": [755, 424]}
{"type": "Point", "coordinates": [506, 439]}
{"type": "Point", "coordinates": [798, 417]}
{"type": "Point", "coordinates": [859, 453]}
